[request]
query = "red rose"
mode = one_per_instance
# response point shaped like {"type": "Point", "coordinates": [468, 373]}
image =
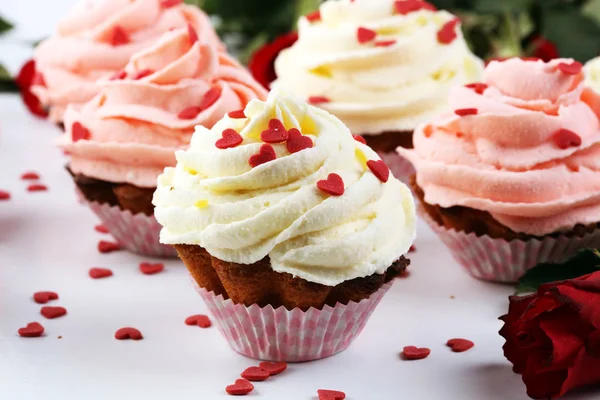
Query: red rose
{"type": "Point", "coordinates": [544, 49]}
{"type": "Point", "coordinates": [24, 80]}
{"type": "Point", "coordinates": [553, 336]}
{"type": "Point", "coordinates": [262, 62]}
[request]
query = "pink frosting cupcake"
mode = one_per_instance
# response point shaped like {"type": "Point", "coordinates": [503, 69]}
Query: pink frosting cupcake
{"type": "Point", "coordinates": [511, 178]}
{"type": "Point", "coordinates": [96, 40]}
{"type": "Point", "coordinates": [122, 139]}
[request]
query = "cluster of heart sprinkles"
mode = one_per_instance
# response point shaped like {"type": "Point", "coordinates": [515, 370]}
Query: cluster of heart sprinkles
{"type": "Point", "coordinates": [562, 138]}
{"type": "Point", "coordinates": [34, 185]}
{"type": "Point", "coordinates": [457, 345]}
{"type": "Point", "coordinates": [295, 141]}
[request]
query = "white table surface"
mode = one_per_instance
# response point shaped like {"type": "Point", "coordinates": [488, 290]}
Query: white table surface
{"type": "Point", "coordinates": [47, 242]}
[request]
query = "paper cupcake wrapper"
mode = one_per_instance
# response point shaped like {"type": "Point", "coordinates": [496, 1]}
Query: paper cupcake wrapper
{"type": "Point", "coordinates": [400, 166]}
{"type": "Point", "coordinates": [292, 336]}
{"type": "Point", "coordinates": [137, 233]}
{"type": "Point", "coordinates": [499, 260]}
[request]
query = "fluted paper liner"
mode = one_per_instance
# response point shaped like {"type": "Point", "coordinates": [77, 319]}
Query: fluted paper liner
{"type": "Point", "coordinates": [292, 336]}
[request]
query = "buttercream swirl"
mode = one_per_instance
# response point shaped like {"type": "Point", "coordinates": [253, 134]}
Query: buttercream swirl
{"type": "Point", "coordinates": [592, 74]}
{"type": "Point", "coordinates": [394, 82]}
{"type": "Point", "coordinates": [136, 123]}
{"type": "Point", "coordinates": [97, 39]}
{"type": "Point", "coordinates": [526, 149]}
{"type": "Point", "coordinates": [215, 199]}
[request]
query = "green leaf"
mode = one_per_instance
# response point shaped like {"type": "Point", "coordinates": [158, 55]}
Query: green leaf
{"type": "Point", "coordinates": [501, 6]}
{"type": "Point", "coordinates": [5, 26]}
{"type": "Point", "coordinates": [585, 262]}
{"type": "Point", "coordinates": [575, 34]}
{"type": "Point", "coordinates": [592, 10]}
{"type": "Point", "coordinates": [7, 83]}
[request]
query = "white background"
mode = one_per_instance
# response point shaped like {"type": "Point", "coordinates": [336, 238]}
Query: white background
{"type": "Point", "coordinates": [47, 242]}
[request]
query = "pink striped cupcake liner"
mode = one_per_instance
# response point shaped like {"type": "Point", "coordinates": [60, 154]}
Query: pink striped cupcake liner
{"type": "Point", "coordinates": [137, 233]}
{"type": "Point", "coordinates": [292, 336]}
{"type": "Point", "coordinates": [400, 166]}
{"type": "Point", "coordinates": [499, 260]}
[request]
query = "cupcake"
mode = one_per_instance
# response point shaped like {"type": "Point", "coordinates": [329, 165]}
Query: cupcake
{"type": "Point", "coordinates": [592, 74]}
{"type": "Point", "coordinates": [122, 139]}
{"type": "Point", "coordinates": [381, 66]}
{"type": "Point", "coordinates": [510, 178]}
{"type": "Point", "coordinates": [97, 39]}
{"type": "Point", "coordinates": [291, 229]}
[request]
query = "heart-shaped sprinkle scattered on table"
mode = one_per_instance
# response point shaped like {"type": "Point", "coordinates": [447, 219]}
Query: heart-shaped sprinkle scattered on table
{"type": "Point", "coordinates": [51, 312]}
{"type": "Point", "coordinates": [240, 387]}
{"type": "Point", "coordinates": [325, 394]}
{"type": "Point", "coordinates": [150, 269]}
{"type": "Point", "coordinates": [4, 195]}
{"type": "Point", "coordinates": [255, 374]}
{"type": "Point", "coordinates": [128, 333]}
{"type": "Point", "coordinates": [200, 320]}
{"type": "Point", "coordinates": [30, 176]}
{"type": "Point", "coordinates": [108, 247]}
{"type": "Point", "coordinates": [37, 187]}
{"type": "Point", "coordinates": [415, 353]}
{"type": "Point", "coordinates": [33, 329]}
{"type": "Point", "coordinates": [273, 368]}
{"type": "Point", "coordinates": [101, 228]}
{"type": "Point", "coordinates": [44, 297]}
{"type": "Point", "coordinates": [99, 273]}
{"type": "Point", "coordinates": [460, 345]}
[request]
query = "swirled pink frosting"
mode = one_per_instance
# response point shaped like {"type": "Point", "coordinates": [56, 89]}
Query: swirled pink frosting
{"type": "Point", "coordinates": [95, 40]}
{"type": "Point", "coordinates": [132, 128]}
{"type": "Point", "coordinates": [507, 158]}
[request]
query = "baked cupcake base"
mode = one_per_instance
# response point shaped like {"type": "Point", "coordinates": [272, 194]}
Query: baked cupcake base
{"type": "Point", "coordinates": [385, 144]}
{"type": "Point", "coordinates": [259, 284]}
{"type": "Point", "coordinates": [492, 252]}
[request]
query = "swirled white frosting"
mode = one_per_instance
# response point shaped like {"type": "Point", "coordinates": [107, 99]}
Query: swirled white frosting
{"type": "Point", "coordinates": [373, 88]}
{"type": "Point", "coordinates": [214, 198]}
{"type": "Point", "coordinates": [592, 74]}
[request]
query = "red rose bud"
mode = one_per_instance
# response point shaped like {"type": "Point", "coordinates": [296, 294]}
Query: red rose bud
{"type": "Point", "coordinates": [553, 336]}
{"type": "Point", "coordinates": [262, 62]}
{"type": "Point", "coordinates": [544, 49]}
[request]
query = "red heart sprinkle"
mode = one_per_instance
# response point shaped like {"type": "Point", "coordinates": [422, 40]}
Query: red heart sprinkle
{"type": "Point", "coordinates": [466, 111]}
{"type": "Point", "coordinates": [460, 345]}
{"type": "Point", "coordinates": [79, 132]}
{"type": "Point", "coordinates": [229, 138]}
{"type": "Point", "coordinates": [128, 333]}
{"type": "Point", "coordinates": [101, 228]}
{"type": "Point", "coordinates": [37, 187]}
{"type": "Point", "coordinates": [53, 312]}
{"type": "Point", "coordinates": [365, 35]}
{"type": "Point", "coordinates": [325, 394]}
{"type": "Point", "coordinates": [412, 249]}
{"type": "Point", "coordinates": [199, 320]}
{"type": "Point", "coordinates": [142, 74]}
{"type": "Point", "coordinates": [151, 269]}
{"type": "Point", "coordinates": [359, 139]}
{"type": "Point", "coordinates": [99, 273]}
{"type": "Point", "coordinates": [379, 169]}
{"type": "Point", "coordinates": [264, 155]}
{"type": "Point", "coordinates": [210, 98]}
{"type": "Point", "coordinates": [170, 3]}
{"type": "Point", "coordinates": [415, 353]}
{"type": "Point", "coordinates": [570, 69]}
{"type": "Point", "coordinates": [385, 43]}
{"type": "Point", "coordinates": [33, 329]}
{"type": "Point", "coordinates": [108, 247]}
{"type": "Point", "coordinates": [30, 176]}
{"type": "Point", "coordinates": [44, 297]}
{"type": "Point", "coordinates": [409, 6]}
{"type": "Point", "coordinates": [255, 374]}
{"type": "Point", "coordinates": [447, 34]}
{"type": "Point", "coordinates": [273, 368]}
{"type": "Point", "coordinates": [240, 388]}
{"type": "Point", "coordinates": [4, 195]}
{"type": "Point", "coordinates": [318, 99]}
{"type": "Point", "coordinates": [479, 88]}
{"type": "Point", "coordinates": [565, 138]}
{"type": "Point", "coordinates": [192, 34]}
{"type": "Point", "coordinates": [314, 16]}
{"type": "Point", "coordinates": [118, 75]}
{"type": "Point", "coordinates": [239, 114]}
{"type": "Point", "coordinates": [276, 133]}
{"type": "Point", "coordinates": [333, 185]}
{"type": "Point", "coordinates": [189, 113]}
{"type": "Point", "coordinates": [119, 36]}
{"type": "Point", "coordinates": [297, 142]}
{"type": "Point", "coordinates": [38, 79]}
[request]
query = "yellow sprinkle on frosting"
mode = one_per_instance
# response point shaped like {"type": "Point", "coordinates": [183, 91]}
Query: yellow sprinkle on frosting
{"type": "Point", "coordinates": [360, 156]}
{"type": "Point", "coordinates": [201, 204]}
